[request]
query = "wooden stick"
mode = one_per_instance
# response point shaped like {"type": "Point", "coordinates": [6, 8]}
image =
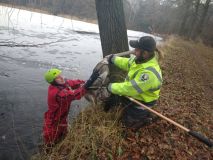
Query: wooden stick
{"type": "Point", "coordinates": [126, 53]}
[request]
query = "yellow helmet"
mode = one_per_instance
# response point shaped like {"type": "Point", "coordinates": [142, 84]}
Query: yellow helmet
{"type": "Point", "coordinates": [51, 74]}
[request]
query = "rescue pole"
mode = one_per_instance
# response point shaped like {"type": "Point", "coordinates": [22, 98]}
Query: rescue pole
{"type": "Point", "coordinates": [200, 137]}
{"type": "Point", "coordinates": [126, 53]}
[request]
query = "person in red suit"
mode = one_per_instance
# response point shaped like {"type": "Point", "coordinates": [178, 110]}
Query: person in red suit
{"type": "Point", "coordinates": [61, 93]}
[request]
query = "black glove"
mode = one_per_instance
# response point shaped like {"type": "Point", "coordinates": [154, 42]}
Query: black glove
{"type": "Point", "coordinates": [92, 78]}
{"type": "Point", "coordinates": [109, 58]}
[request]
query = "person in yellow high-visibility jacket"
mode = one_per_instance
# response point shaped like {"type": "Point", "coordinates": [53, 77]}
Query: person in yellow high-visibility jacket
{"type": "Point", "coordinates": [143, 81]}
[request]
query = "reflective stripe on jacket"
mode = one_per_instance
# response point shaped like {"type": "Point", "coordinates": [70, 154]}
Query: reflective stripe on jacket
{"type": "Point", "coordinates": [143, 81]}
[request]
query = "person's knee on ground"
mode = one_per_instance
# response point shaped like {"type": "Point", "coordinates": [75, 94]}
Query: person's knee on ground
{"type": "Point", "coordinates": [133, 117]}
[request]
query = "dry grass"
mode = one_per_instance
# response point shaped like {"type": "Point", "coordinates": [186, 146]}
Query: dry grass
{"type": "Point", "coordinates": [94, 133]}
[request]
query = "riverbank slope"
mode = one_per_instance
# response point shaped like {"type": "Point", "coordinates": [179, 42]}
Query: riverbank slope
{"type": "Point", "coordinates": [186, 97]}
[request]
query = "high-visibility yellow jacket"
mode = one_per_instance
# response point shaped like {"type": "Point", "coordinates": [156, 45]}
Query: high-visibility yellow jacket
{"type": "Point", "coordinates": [143, 81]}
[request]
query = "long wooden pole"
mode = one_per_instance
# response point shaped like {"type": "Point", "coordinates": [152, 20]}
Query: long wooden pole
{"type": "Point", "coordinates": [125, 53]}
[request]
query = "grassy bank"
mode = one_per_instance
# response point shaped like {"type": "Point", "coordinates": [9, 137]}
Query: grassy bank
{"type": "Point", "coordinates": [186, 97]}
{"type": "Point", "coordinates": [94, 134]}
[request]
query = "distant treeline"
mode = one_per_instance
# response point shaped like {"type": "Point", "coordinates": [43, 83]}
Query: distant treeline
{"type": "Point", "coordinates": [192, 19]}
{"type": "Point", "coordinates": [79, 8]}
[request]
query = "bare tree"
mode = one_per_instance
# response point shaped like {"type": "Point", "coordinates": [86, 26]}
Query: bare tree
{"type": "Point", "coordinates": [186, 9]}
{"type": "Point", "coordinates": [112, 26]}
{"type": "Point", "coordinates": [194, 18]}
{"type": "Point", "coordinates": [113, 35]}
{"type": "Point", "coordinates": [199, 27]}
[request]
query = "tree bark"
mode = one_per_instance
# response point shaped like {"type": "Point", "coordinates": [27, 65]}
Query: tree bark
{"type": "Point", "coordinates": [112, 26]}
{"type": "Point", "coordinates": [113, 36]}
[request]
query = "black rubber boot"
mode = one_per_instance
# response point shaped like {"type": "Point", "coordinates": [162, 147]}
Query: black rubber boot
{"type": "Point", "coordinates": [147, 121]}
{"type": "Point", "coordinates": [136, 118]}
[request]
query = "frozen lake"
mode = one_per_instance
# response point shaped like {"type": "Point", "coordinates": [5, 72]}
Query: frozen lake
{"type": "Point", "coordinates": [70, 45]}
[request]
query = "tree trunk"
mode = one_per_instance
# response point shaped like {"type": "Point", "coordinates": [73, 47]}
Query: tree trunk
{"type": "Point", "coordinates": [194, 19]}
{"type": "Point", "coordinates": [113, 36]}
{"type": "Point", "coordinates": [185, 16]}
{"type": "Point", "coordinates": [112, 26]}
{"type": "Point", "coordinates": [199, 27]}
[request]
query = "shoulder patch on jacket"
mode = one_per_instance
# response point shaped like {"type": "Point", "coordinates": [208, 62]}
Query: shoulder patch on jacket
{"type": "Point", "coordinates": [144, 77]}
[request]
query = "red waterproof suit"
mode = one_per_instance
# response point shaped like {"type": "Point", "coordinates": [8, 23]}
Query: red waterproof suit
{"type": "Point", "coordinates": [59, 100]}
